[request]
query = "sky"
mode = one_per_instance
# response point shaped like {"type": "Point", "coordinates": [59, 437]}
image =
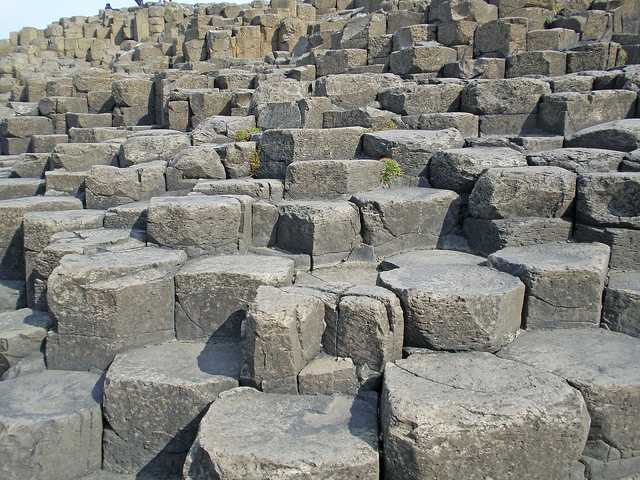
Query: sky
{"type": "Point", "coordinates": [15, 14]}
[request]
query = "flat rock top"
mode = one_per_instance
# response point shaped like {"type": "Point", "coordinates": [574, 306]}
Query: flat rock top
{"type": "Point", "coordinates": [594, 356]}
{"type": "Point", "coordinates": [403, 136]}
{"type": "Point", "coordinates": [555, 256]}
{"type": "Point", "coordinates": [19, 321]}
{"type": "Point", "coordinates": [428, 258]}
{"type": "Point", "coordinates": [246, 265]}
{"type": "Point", "coordinates": [625, 281]}
{"type": "Point", "coordinates": [318, 431]}
{"type": "Point", "coordinates": [39, 203]}
{"type": "Point", "coordinates": [488, 154]}
{"type": "Point", "coordinates": [130, 260]}
{"type": "Point", "coordinates": [63, 216]}
{"type": "Point", "coordinates": [403, 195]}
{"type": "Point", "coordinates": [343, 275]}
{"type": "Point", "coordinates": [464, 280]}
{"type": "Point", "coordinates": [46, 395]}
{"type": "Point", "coordinates": [178, 363]}
{"type": "Point", "coordinates": [198, 200]}
{"type": "Point", "coordinates": [439, 388]}
{"type": "Point", "coordinates": [84, 241]}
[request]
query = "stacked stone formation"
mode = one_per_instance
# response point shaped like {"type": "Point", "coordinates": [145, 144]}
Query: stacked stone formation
{"type": "Point", "coordinates": [348, 239]}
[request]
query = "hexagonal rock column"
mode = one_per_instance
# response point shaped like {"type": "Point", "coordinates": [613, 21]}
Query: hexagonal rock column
{"type": "Point", "coordinates": [459, 168]}
{"type": "Point", "coordinates": [603, 366]}
{"type": "Point", "coordinates": [95, 299]}
{"type": "Point", "coordinates": [199, 224]}
{"type": "Point", "coordinates": [369, 328]}
{"type": "Point", "coordinates": [282, 333]}
{"type": "Point", "coordinates": [324, 437]}
{"type": "Point", "coordinates": [457, 307]}
{"type": "Point", "coordinates": [80, 242]}
{"type": "Point", "coordinates": [11, 232]}
{"type": "Point", "coordinates": [609, 199]}
{"type": "Point", "coordinates": [395, 220]}
{"type": "Point", "coordinates": [50, 426]}
{"type": "Point", "coordinates": [154, 398]}
{"type": "Point", "coordinates": [564, 281]}
{"type": "Point", "coordinates": [213, 293]}
{"type": "Point", "coordinates": [472, 415]}
{"type": "Point", "coordinates": [621, 310]}
{"type": "Point", "coordinates": [523, 192]}
{"type": "Point", "coordinates": [21, 335]}
{"type": "Point", "coordinates": [326, 230]}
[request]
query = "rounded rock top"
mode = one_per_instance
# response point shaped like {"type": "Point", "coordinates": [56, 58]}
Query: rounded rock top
{"type": "Point", "coordinates": [450, 279]}
{"type": "Point", "coordinates": [591, 356]}
{"type": "Point", "coordinates": [251, 265]}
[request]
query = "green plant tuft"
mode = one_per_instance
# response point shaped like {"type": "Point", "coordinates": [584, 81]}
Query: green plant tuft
{"type": "Point", "coordinates": [391, 171]}
{"type": "Point", "coordinates": [254, 164]}
{"type": "Point", "coordinates": [622, 57]}
{"type": "Point", "coordinates": [244, 135]}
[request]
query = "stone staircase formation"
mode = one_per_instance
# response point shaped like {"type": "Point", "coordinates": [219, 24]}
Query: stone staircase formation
{"type": "Point", "coordinates": [344, 239]}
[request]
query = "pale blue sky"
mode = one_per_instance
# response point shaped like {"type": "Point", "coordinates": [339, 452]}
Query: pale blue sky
{"type": "Point", "coordinates": [15, 14]}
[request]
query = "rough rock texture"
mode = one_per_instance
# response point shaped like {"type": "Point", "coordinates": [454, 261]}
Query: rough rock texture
{"type": "Point", "coordinates": [154, 398]}
{"type": "Point", "coordinates": [22, 333]}
{"type": "Point", "coordinates": [565, 281]}
{"type": "Point", "coordinates": [47, 419]}
{"type": "Point", "coordinates": [497, 418]}
{"type": "Point", "coordinates": [326, 437]}
{"type": "Point", "coordinates": [621, 309]}
{"type": "Point", "coordinates": [93, 298]}
{"type": "Point", "coordinates": [600, 365]}
{"type": "Point", "coordinates": [457, 307]}
{"type": "Point", "coordinates": [214, 293]}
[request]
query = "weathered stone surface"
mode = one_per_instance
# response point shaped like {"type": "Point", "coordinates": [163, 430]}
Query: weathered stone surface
{"type": "Point", "coordinates": [149, 148]}
{"type": "Point", "coordinates": [199, 224]}
{"type": "Point", "coordinates": [600, 365]}
{"type": "Point", "coordinates": [499, 97]}
{"type": "Point", "coordinates": [12, 295]}
{"type": "Point", "coordinates": [12, 212]}
{"type": "Point", "coordinates": [81, 242]}
{"type": "Point", "coordinates": [458, 169]}
{"type": "Point", "coordinates": [609, 199]}
{"type": "Point", "coordinates": [523, 192]}
{"type": "Point", "coordinates": [466, 123]}
{"type": "Point", "coordinates": [498, 419]}
{"type": "Point", "coordinates": [279, 148]}
{"type": "Point", "coordinates": [22, 333]}
{"type": "Point", "coordinates": [154, 398]}
{"type": "Point", "coordinates": [46, 419]}
{"type": "Point", "coordinates": [79, 157]}
{"type": "Point", "coordinates": [334, 436]}
{"type": "Point", "coordinates": [623, 243]}
{"type": "Point", "coordinates": [427, 258]}
{"type": "Point", "coordinates": [93, 298]}
{"type": "Point", "coordinates": [394, 220]}
{"type": "Point", "coordinates": [192, 163]}
{"type": "Point", "coordinates": [214, 293]}
{"type": "Point", "coordinates": [621, 135]}
{"type": "Point", "coordinates": [565, 281]}
{"type": "Point", "coordinates": [331, 178]}
{"type": "Point", "coordinates": [108, 187]}
{"type": "Point", "coordinates": [621, 309]}
{"type": "Point", "coordinates": [282, 333]}
{"type": "Point", "coordinates": [129, 215]}
{"type": "Point", "coordinates": [487, 236]}
{"type": "Point", "coordinates": [11, 188]}
{"type": "Point", "coordinates": [578, 160]}
{"type": "Point", "coordinates": [425, 58]}
{"type": "Point", "coordinates": [412, 149]}
{"type": "Point", "coordinates": [327, 375]}
{"type": "Point", "coordinates": [326, 230]}
{"type": "Point", "coordinates": [457, 307]}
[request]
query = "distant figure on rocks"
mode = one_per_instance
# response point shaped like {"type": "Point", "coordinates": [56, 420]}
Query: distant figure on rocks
{"type": "Point", "coordinates": [140, 3]}
{"type": "Point", "coordinates": [108, 7]}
